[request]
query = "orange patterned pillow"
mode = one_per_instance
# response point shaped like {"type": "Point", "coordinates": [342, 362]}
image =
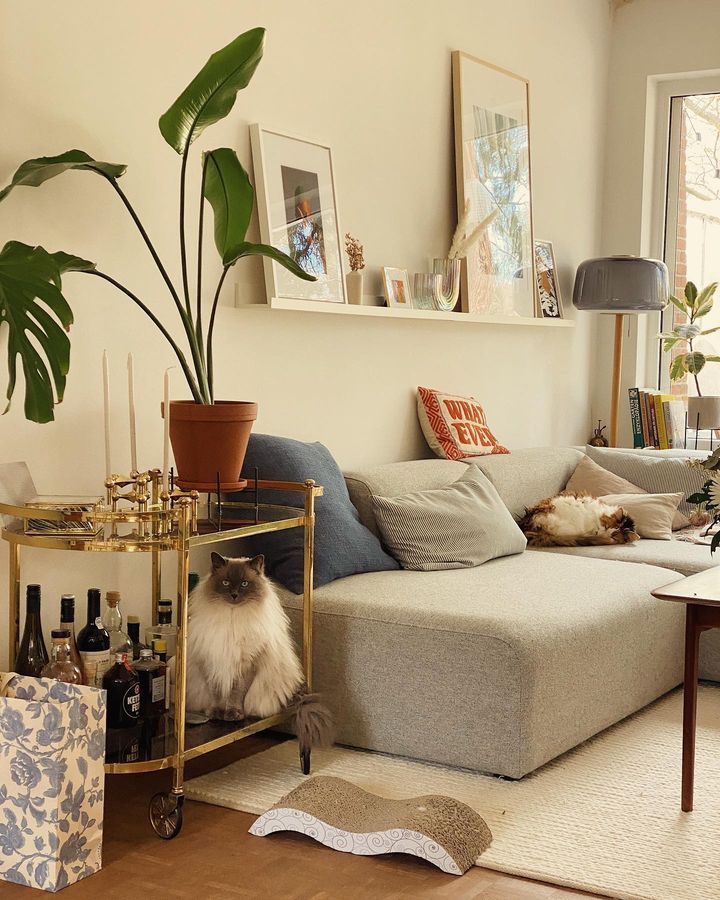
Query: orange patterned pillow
{"type": "Point", "coordinates": [455, 427]}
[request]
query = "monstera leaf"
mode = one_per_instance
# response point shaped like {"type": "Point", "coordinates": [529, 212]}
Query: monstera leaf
{"type": "Point", "coordinates": [229, 192]}
{"type": "Point", "coordinates": [38, 317]}
{"type": "Point", "coordinates": [35, 172]}
{"type": "Point", "coordinates": [211, 94]}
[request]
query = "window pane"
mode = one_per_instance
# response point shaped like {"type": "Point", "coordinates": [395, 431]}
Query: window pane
{"type": "Point", "coordinates": [693, 224]}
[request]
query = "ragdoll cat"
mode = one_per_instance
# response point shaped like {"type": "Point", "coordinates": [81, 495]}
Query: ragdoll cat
{"type": "Point", "coordinates": [240, 656]}
{"type": "Point", "coordinates": [575, 519]}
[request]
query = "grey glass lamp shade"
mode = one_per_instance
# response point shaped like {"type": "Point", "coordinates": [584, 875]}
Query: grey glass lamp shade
{"type": "Point", "coordinates": [621, 284]}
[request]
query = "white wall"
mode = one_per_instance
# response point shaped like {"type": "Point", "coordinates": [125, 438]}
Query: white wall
{"type": "Point", "coordinates": [372, 80]}
{"type": "Point", "coordinates": [650, 38]}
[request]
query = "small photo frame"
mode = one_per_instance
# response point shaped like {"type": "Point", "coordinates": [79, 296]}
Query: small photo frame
{"type": "Point", "coordinates": [397, 288]}
{"type": "Point", "coordinates": [297, 211]}
{"type": "Point", "coordinates": [549, 301]}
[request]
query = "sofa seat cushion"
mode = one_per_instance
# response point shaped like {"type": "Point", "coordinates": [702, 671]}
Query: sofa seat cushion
{"type": "Point", "coordinates": [679, 556]}
{"type": "Point", "coordinates": [498, 668]}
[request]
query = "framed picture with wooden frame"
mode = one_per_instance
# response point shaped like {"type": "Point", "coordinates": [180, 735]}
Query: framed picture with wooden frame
{"type": "Point", "coordinates": [297, 211]}
{"type": "Point", "coordinates": [492, 167]}
{"type": "Point", "coordinates": [549, 301]}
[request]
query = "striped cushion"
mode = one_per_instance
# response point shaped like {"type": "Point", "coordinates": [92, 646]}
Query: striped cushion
{"type": "Point", "coordinates": [454, 527]}
{"type": "Point", "coordinates": [655, 474]}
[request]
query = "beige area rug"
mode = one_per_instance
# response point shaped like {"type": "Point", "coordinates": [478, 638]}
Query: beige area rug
{"type": "Point", "coordinates": [604, 817]}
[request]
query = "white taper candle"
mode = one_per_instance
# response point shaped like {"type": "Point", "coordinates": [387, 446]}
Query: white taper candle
{"type": "Point", "coordinates": [106, 400]}
{"type": "Point", "coordinates": [166, 433]}
{"type": "Point", "coordinates": [131, 403]}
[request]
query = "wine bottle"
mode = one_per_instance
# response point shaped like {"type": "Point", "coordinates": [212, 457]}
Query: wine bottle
{"type": "Point", "coordinates": [133, 630]}
{"type": "Point", "coordinates": [32, 656]}
{"type": "Point", "coordinates": [94, 642]}
{"type": "Point", "coordinates": [67, 620]}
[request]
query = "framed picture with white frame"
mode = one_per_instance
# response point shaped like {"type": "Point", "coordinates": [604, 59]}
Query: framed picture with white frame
{"type": "Point", "coordinates": [396, 286]}
{"type": "Point", "coordinates": [297, 211]}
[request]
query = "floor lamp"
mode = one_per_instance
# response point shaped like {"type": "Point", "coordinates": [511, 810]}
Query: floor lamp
{"type": "Point", "coordinates": [621, 285]}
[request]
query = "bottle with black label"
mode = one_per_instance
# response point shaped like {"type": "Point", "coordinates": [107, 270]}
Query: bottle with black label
{"type": "Point", "coordinates": [123, 694]}
{"type": "Point", "coordinates": [32, 656]}
{"type": "Point", "coordinates": [94, 643]}
{"type": "Point", "coordinates": [164, 630]}
{"type": "Point", "coordinates": [152, 675]}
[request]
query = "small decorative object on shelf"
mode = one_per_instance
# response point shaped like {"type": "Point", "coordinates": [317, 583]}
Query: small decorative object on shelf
{"type": "Point", "coordinates": [71, 522]}
{"type": "Point", "coordinates": [397, 288]}
{"type": "Point", "coordinates": [354, 278]}
{"type": "Point", "coordinates": [425, 290]}
{"type": "Point", "coordinates": [598, 439]}
{"type": "Point", "coordinates": [548, 289]}
{"type": "Point", "coordinates": [449, 270]}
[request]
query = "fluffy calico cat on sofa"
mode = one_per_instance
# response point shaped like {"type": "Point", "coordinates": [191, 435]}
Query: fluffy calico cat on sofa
{"type": "Point", "coordinates": [576, 519]}
{"type": "Point", "coordinates": [240, 656]}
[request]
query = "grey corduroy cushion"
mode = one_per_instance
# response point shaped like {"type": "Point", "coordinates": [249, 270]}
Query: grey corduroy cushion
{"type": "Point", "coordinates": [460, 525]}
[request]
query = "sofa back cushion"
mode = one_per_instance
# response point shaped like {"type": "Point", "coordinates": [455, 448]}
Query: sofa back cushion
{"type": "Point", "coordinates": [343, 546]}
{"type": "Point", "coordinates": [658, 473]}
{"type": "Point", "coordinates": [460, 525]}
{"type": "Point", "coordinates": [521, 478]}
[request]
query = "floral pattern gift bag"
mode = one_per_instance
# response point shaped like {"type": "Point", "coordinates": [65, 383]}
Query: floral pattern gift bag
{"type": "Point", "coordinates": [52, 756]}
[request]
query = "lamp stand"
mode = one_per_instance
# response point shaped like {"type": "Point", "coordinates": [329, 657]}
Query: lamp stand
{"type": "Point", "coordinates": [617, 372]}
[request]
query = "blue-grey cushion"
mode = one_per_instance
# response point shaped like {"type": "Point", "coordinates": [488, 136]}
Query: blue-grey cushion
{"type": "Point", "coordinates": [343, 545]}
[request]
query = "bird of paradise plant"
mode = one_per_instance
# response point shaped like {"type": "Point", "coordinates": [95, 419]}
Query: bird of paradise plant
{"type": "Point", "coordinates": [33, 304]}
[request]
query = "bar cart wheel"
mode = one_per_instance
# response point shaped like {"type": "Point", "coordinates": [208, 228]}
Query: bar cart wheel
{"type": "Point", "coordinates": [166, 815]}
{"type": "Point", "coordinates": [305, 761]}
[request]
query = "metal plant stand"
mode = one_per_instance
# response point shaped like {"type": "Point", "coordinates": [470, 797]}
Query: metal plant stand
{"type": "Point", "coordinates": [145, 519]}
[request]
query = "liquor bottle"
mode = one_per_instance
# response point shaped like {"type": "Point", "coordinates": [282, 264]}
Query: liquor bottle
{"type": "Point", "coordinates": [32, 656]}
{"type": "Point", "coordinates": [152, 675]}
{"type": "Point", "coordinates": [113, 621]}
{"type": "Point", "coordinates": [133, 630]}
{"type": "Point", "coordinates": [61, 666]}
{"type": "Point", "coordinates": [123, 694]}
{"type": "Point", "coordinates": [159, 649]}
{"type": "Point", "coordinates": [94, 643]}
{"type": "Point", "coordinates": [164, 630]}
{"type": "Point", "coordinates": [67, 620]}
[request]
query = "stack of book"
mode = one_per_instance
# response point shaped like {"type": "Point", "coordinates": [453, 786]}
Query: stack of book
{"type": "Point", "coordinates": [658, 420]}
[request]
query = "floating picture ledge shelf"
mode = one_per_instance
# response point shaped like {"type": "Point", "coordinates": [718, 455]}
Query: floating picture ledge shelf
{"type": "Point", "coordinates": [383, 312]}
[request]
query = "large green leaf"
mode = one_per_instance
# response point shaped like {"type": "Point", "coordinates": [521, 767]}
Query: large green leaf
{"type": "Point", "coordinates": [677, 368]}
{"type": "Point", "coordinates": [38, 317]}
{"type": "Point", "coordinates": [228, 189]}
{"type": "Point", "coordinates": [247, 249]}
{"type": "Point", "coordinates": [35, 172]}
{"type": "Point", "coordinates": [691, 293]}
{"type": "Point", "coordinates": [705, 300]}
{"type": "Point", "coordinates": [679, 303]}
{"type": "Point", "coordinates": [695, 362]}
{"type": "Point", "coordinates": [212, 93]}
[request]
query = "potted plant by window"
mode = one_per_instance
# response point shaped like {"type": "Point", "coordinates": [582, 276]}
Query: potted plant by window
{"type": "Point", "coordinates": [209, 436]}
{"type": "Point", "coordinates": [703, 410]}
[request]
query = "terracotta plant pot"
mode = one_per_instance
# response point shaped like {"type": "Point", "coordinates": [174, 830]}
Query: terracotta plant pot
{"type": "Point", "coordinates": [210, 442]}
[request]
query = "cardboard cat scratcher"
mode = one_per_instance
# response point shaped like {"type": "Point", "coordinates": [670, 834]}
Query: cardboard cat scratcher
{"type": "Point", "coordinates": [344, 817]}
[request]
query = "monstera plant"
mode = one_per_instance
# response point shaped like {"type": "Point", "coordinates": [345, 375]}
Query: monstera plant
{"type": "Point", "coordinates": [38, 316]}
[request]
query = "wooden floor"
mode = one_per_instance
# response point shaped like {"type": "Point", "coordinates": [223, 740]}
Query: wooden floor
{"type": "Point", "coordinates": [214, 858]}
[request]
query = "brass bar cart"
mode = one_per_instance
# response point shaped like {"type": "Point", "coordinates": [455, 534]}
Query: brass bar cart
{"type": "Point", "coordinates": [145, 519]}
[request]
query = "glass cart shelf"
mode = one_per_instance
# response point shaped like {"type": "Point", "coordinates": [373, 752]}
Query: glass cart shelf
{"type": "Point", "coordinates": [170, 522]}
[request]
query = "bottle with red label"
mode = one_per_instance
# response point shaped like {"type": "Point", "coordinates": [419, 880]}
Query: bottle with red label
{"type": "Point", "coordinates": [123, 694]}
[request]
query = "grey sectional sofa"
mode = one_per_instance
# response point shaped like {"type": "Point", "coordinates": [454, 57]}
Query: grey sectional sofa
{"type": "Point", "coordinates": [502, 667]}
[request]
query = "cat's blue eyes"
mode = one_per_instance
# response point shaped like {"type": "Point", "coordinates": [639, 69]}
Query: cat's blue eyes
{"type": "Point", "coordinates": [226, 583]}
{"type": "Point", "coordinates": [244, 584]}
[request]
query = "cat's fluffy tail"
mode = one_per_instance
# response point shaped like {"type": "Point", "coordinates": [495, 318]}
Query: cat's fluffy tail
{"type": "Point", "coordinates": [314, 723]}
